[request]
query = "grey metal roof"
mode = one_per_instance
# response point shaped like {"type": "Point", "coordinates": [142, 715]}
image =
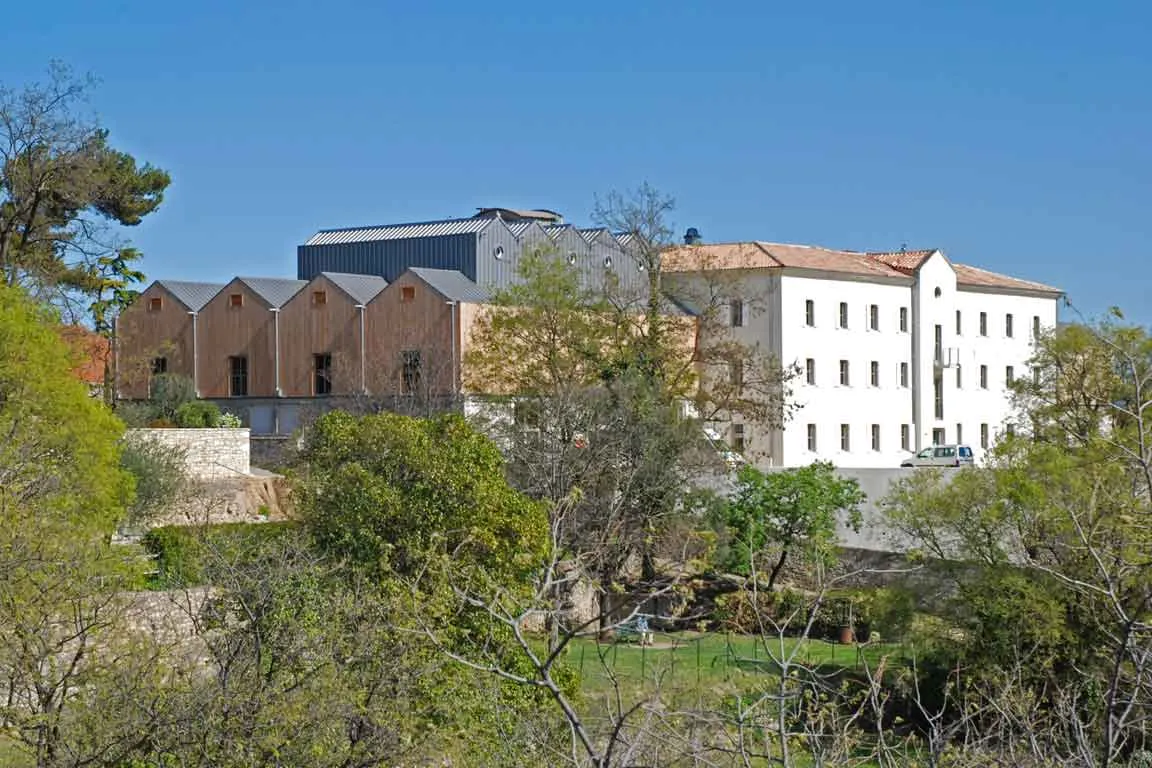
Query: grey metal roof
{"type": "Point", "coordinates": [274, 290]}
{"type": "Point", "coordinates": [362, 288]}
{"type": "Point", "coordinates": [452, 285]}
{"type": "Point", "coordinates": [398, 231]}
{"type": "Point", "coordinates": [191, 294]}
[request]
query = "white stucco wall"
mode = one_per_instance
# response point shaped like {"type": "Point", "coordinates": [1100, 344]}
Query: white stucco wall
{"type": "Point", "coordinates": [208, 453]}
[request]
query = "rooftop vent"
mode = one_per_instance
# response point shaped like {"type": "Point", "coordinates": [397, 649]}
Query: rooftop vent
{"type": "Point", "coordinates": [692, 237]}
{"type": "Point", "coordinates": [514, 214]}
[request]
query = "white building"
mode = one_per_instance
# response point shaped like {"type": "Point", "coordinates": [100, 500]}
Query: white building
{"type": "Point", "coordinates": [896, 351]}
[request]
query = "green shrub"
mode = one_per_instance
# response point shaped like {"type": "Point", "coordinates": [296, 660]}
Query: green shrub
{"type": "Point", "coordinates": [198, 415]}
{"type": "Point", "coordinates": [185, 556]}
{"type": "Point", "coordinates": [168, 391]}
{"type": "Point", "coordinates": [230, 420]}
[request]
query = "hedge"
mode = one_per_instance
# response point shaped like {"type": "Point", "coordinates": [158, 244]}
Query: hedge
{"type": "Point", "coordinates": [183, 553]}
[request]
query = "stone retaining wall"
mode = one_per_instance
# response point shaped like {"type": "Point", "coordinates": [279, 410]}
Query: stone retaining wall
{"type": "Point", "coordinates": [208, 453]}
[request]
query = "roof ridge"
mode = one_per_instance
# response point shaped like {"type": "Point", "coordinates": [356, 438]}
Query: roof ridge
{"type": "Point", "coordinates": [405, 224]}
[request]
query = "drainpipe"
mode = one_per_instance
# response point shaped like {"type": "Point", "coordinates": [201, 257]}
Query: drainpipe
{"type": "Point", "coordinates": [452, 330]}
{"type": "Point", "coordinates": [195, 361]}
{"type": "Point", "coordinates": [363, 369]}
{"type": "Point", "coordinates": [276, 346]}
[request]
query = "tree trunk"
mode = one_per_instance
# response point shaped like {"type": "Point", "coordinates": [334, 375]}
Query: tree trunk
{"type": "Point", "coordinates": [776, 569]}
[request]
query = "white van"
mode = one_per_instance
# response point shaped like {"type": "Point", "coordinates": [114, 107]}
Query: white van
{"type": "Point", "coordinates": [941, 456]}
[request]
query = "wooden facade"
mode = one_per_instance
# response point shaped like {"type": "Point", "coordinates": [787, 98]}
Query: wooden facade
{"type": "Point", "coordinates": [319, 325]}
{"type": "Point", "coordinates": [154, 334]}
{"type": "Point", "coordinates": [412, 351]}
{"type": "Point", "coordinates": [237, 324]}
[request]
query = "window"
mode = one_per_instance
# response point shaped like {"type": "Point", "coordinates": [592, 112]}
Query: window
{"type": "Point", "coordinates": [983, 323]}
{"type": "Point", "coordinates": [904, 375]}
{"type": "Point", "coordinates": [904, 319]}
{"type": "Point", "coordinates": [1010, 429]}
{"type": "Point", "coordinates": [322, 374]}
{"type": "Point", "coordinates": [409, 371]}
{"type": "Point", "coordinates": [407, 293]}
{"type": "Point", "coordinates": [159, 365]}
{"type": "Point", "coordinates": [983, 377]}
{"type": "Point", "coordinates": [875, 373]}
{"type": "Point", "coordinates": [736, 310]}
{"type": "Point", "coordinates": [874, 317]}
{"type": "Point", "coordinates": [736, 375]}
{"type": "Point", "coordinates": [156, 304]}
{"type": "Point", "coordinates": [809, 312]}
{"type": "Point", "coordinates": [938, 392]}
{"type": "Point", "coordinates": [812, 437]}
{"type": "Point", "coordinates": [238, 376]}
{"type": "Point", "coordinates": [1036, 375]}
{"type": "Point", "coordinates": [983, 435]}
{"type": "Point", "coordinates": [1009, 375]}
{"type": "Point", "coordinates": [810, 370]}
{"type": "Point", "coordinates": [843, 314]}
{"type": "Point", "coordinates": [959, 433]}
{"type": "Point", "coordinates": [959, 324]}
{"type": "Point", "coordinates": [905, 437]}
{"type": "Point", "coordinates": [319, 298]}
{"type": "Point", "coordinates": [939, 345]}
{"type": "Point", "coordinates": [1008, 326]}
{"type": "Point", "coordinates": [235, 300]}
{"type": "Point", "coordinates": [875, 437]}
{"type": "Point", "coordinates": [845, 438]}
{"type": "Point", "coordinates": [938, 437]}
{"type": "Point", "coordinates": [959, 379]}
{"type": "Point", "coordinates": [738, 442]}
{"type": "Point", "coordinates": [844, 373]}
{"type": "Point", "coordinates": [1035, 327]}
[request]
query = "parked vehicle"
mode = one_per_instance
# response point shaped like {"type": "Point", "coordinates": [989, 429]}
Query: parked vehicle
{"type": "Point", "coordinates": [941, 456]}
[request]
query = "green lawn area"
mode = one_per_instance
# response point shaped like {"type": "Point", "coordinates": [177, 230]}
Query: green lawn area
{"type": "Point", "coordinates": [686, 661]}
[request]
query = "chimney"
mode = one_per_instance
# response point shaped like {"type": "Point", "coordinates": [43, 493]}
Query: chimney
{"type": "Point", "coordinates": [692, 237]}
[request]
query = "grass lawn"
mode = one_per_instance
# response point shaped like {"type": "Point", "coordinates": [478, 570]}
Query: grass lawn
{"type": "Point", "coordinates": [691, 661]}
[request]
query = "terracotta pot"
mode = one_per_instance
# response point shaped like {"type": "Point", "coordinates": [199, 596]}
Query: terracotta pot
{"type": "Point", "coordinates": [847, 636]}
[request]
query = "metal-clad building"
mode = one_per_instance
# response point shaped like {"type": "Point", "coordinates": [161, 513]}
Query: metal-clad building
{"type": "Point", "coordinates": [485, 248]}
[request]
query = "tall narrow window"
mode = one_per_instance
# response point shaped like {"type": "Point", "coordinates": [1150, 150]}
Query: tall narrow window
{"type": "Point", "coordinates": [959, 324]}
{"type": "Point", "coordinates": [736, 375]}
{"type": "Point", "coordinates": [983, 323]}
{"type": "Point", "coordinates": [1009, 375]}
{"type": "Point", "coordinates": [959, 378]}
{"type": "Point", "coordinates": [875, 373]}
{"type": "Point", "coordinates": [938, 436]}
{"type": "Point", "coordinates": [904, 319]}
{"type": "Point", "coordinates": [1036, 375]}
{"type": "Point", "coordinates": [984, 436]}
{"type": "Point", "coordinates": [238, 376]}
{"type": "Point", "coordinates": [845, 438]}
{"type": "Point", "coordinates": [409, 371]}
{"type": "Point", "coordinates": [939, 345]}
{"type": "Point", "coordinates": [938, 392]}
{"type": "Point", "coordinates": [959, 433]}
{"type": "Point", "coordinates": [738, 439]}
{"type": "Point", "coordinates": [1035, 327]}
{"type": "Point", "coordinates": [874, 317]}
{"type": "Point", "coordinates": [809, 312]}
{"type": "Point", "coordinates": [736, 312]}
{"type": "Point", "coordinates": [843, 314]}
{"type": "Point", "coordinates": [159, 365]}
{"type": "Point", "coordinates": [905, 437]}
{"type": "Point", "coordinates": [844, 380]}
{"type": "Point", "coordinates": [1008, 326]}
{"type": "Point", "coordinates": [904, 375]}
{"type": "Point", "coordinates": [875, 437]}
{"type": "Point", "coordinates": [810, 370]}
{"type": "Point", "coordinates": [812, 437]}
{"type": "Point", "coordinates": [322, 374]}
{"type": "Point", "coordinates": [983, 377]}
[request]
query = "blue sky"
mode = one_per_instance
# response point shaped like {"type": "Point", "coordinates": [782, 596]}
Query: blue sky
{"type": "Point", "coordinates": [1013, 135]}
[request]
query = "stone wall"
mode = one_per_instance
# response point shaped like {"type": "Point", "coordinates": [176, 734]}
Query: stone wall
{"type": "Point", "coordinates": [208, 453]}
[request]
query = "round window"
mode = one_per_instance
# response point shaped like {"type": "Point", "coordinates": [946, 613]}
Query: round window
{"type": "Point", "coordinates": [607, 262]}
{"type": "Point", "coordinates": [572, 258]}
{"type": "Point", "coordinates": [498, 252]}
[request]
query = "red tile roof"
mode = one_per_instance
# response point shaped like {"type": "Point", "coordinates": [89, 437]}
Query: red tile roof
{"type": "Point", "coordinates": [903, 261]}
{"type": "Point", "coordinates": [982, 278]}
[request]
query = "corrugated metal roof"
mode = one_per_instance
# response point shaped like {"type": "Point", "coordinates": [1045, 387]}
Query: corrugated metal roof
{"type": "Point", "coordinates": [274, 290]}
{"type": "Point", "coordinates": [398, 231]}
{"type": "Point", "coordinates": [452, 285]}
{"type": "Point", "coordinates": [362, 288]}
{"type": "Point", "coordinates": [191, 294]}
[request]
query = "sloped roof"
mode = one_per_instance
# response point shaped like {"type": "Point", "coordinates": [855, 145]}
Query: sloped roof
{"type": "Point", "coordinates": [452, 285]}
{"type": "Point", "coordinates": [362, 288]}
{"type": "Point", "coordinates": [191, 294]}
{"type": "Point", "coordinates": [761, 255]}
{"type": "Point", "coordinates": [981, 278]}
{"type": "Point", "coordinates": [903, 261]}
{"type": "Point", "coordinates": [274, 290]}
{"type": "Point", "coordinates": [398, 231]}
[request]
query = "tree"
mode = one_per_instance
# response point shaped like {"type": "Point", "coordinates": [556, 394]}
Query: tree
{"type": "Point", "coordinates": [63, 191]}
{"type": "Point", "coordinates": [792, 510]}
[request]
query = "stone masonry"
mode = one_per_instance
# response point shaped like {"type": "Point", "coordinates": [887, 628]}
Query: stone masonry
{"type": "Point", "coordinates": [208, 453]}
